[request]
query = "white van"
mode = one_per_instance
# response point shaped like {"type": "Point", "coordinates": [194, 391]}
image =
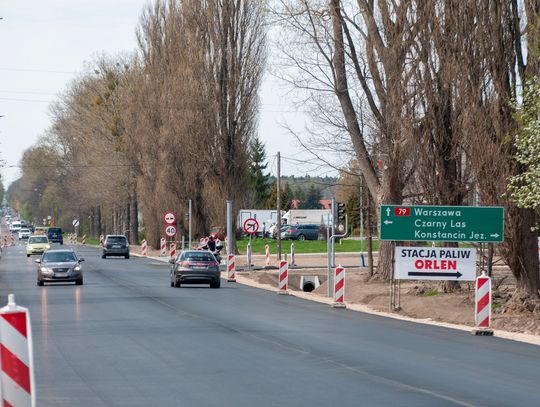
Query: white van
{"type": "Point", "coordinates": [15, 226]}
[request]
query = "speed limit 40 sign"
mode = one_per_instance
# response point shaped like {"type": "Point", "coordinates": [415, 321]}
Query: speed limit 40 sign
{"type": "Point", "coordinates": [170, 230]}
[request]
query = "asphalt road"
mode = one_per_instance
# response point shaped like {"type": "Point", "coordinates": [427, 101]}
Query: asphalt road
{"type": "Point", "coordinates": [126, 338]}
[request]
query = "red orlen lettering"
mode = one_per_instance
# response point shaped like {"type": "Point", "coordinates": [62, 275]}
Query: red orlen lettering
{"type": "Point", "coordinates": [402, 211]}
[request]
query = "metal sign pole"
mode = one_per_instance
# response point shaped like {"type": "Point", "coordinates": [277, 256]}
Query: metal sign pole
{"type": "Point", "coordinates": [189, 224]}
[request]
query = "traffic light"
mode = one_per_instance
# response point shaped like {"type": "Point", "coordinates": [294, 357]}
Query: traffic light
{"type": "Point", "coordinates": [341, 211]}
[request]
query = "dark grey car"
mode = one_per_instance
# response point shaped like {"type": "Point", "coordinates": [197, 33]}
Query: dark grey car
{"type": "Point", "coordinates": [56, 266]}
{"type": "Point", "coordinates": [301, 232]}
{"type": "Point", "coordinates": [115, 245]}
{"type": "Point", "coordinates": [195, 267]}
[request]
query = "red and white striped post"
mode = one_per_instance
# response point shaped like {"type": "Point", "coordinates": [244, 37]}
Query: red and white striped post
{"type": "Point", "coordinates": [84, 240]}
{"type": "Point", "coordinates": [163, 247]}
{"type": "Point", "coordinates": [231, 268]}
{"type": "Point", "coordinates": [283, 277]}
{"type": "Point", "coordinates": [482, 306]}
{"type": "Point", "coordinates": [339, 288]}
{"type": "Point", "coordinates": [267, 253]}
{"type": "Point", "coordinates": [144, 248]}
{"type": "Point", "coordinates": [101, 239]}
{"type": "Point", "coordinates": [17, 385]}
{"type": "Point", "coordinates": [173, 251]}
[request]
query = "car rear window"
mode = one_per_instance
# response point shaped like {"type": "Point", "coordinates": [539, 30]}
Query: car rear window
{"type": "Point", "coordinates": [194, 256]}
{"type": "Point", "coordinates": [55, 230]}
{"type": "Point", "coordinates": [38, 239]}
{"type": "Point", "coordinates": [59, 257]}
{"type": "Point", "coordinates": [116, 239]}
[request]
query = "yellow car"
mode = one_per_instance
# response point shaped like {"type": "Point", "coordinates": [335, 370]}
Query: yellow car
{"type": "Point", "coordinates": [37, 245]}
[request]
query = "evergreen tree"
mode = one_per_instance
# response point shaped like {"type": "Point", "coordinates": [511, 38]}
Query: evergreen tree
{"type": "Point", "coordinates": [259, 180]}
{"type": "Point", "coordinates": [286, 197]}
{"type": "Point", "coordinates": [313, 198]}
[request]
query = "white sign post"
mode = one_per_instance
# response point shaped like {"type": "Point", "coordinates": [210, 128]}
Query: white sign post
{"type": "Point", "coordinates": [435, 263]}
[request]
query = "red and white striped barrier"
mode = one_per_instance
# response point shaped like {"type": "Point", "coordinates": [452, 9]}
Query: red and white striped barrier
{"type": "Point", "coordinates": [482, 308]}
{"type": "Point", "coordinates": [84, 240]}
{"type": "Point", "coordinates": [163, 247]}
{"type": "Point", "coordinates": [283, 277]}
{"type": "Point", "coordinates": [101, 239]}
{"type": "Point", "coordinates": [339, 287]}
{"type": "Point", "coordinates": [144, 248]}
{"type": "Point", "coordinates": [17, 383]}
{"type": "Point", "coordinates": [173, 251]}
{"type": "Point", "coordinates": [267, 253]}
{"type": "Point", "coordinates": [231, 268]}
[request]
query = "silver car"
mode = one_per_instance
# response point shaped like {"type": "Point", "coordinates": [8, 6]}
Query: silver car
{"type": "Point", "coordinates": [56, 266]}
{"type": "Point", "coordinates": [195, 267]}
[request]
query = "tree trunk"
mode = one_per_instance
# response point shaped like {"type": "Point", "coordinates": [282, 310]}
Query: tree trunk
{"type": "Point", "coordinates": [134, 218]}
{"type": "Point", "coordinates": [369, 238]}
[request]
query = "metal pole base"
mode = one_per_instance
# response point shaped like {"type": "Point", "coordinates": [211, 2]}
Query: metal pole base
{"type": "Point", "coordinates": [283, 292]}
{"type": "Point", "coordinates": [231, 280]}
{"type": "Point", "coordinates": [339, 305]}
{"type": "Point", "coordinates": [482, 332]}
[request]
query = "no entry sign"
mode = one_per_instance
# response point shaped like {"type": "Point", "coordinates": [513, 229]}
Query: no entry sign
{"type": "Point", "coordinates": [430, 263]}
{"type": "Point", "coordinates": [251, 226]}
{"type": "Point", "coordinates": [170, 230]}
{"type": "Point", "coordinates": [169, 218]}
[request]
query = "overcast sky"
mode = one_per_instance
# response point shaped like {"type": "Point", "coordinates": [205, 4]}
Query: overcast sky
{"type": "Point", "coordinates": [43, 44]}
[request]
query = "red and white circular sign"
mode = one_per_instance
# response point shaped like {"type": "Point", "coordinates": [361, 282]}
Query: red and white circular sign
{"type": "Point", "coordinates": [170, 230]}
{"type": "Point", "coordinates": [251, 226]}
{"type": "Point", "coordinates": [169, 218]}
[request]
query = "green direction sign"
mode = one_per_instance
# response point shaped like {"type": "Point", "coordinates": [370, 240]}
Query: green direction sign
{"type": "Point", "coordinates": [442, 223]}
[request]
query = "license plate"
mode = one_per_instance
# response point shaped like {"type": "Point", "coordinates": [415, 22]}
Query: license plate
{"type": "Point", "coordinates": [116, 246]}
{"type": "Point", "coordinates": [199, 268]}
{"type": "Point", "coordinates": [60, 275]}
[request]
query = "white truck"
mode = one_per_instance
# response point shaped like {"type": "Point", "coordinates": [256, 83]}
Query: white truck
{"type": "Point", "coordinates": [266, 216]}
{"type": "Point", "coordinates": [304, 216]}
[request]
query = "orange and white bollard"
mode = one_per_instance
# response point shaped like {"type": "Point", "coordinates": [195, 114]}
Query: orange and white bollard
{"type": "Point", "coordinates": [84, 240]}
{"type": "Point", "coordinates": [163, 247]}
{"type": "Point", "coordinates": [17, 360]}
{"type": "Point", "coordinates": [144, 248]}
{"type": "Point", "coordinates": [482, 306]}
{"type": "Point", "coordinates": [101, 239]}
{"type": "Point", "coordinates": [267, 253]}
{"type": "Point", "coordinates": [339, 288]}
{"type": "Point", "coordinates": [173, 251]}
{"type": "Point", "coordinates": [231, 268]}
{"type": "Point", "coordinates": [283, 277]}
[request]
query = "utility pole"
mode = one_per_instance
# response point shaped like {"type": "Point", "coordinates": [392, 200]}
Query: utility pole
{"type": "Point", "coordinates": [189, 224]}
{"type": "Point", "coordinates": [278, 204]}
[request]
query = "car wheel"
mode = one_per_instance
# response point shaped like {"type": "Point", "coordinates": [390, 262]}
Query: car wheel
{"type": "Point", "coordinates": [40, 283]}
{"type": "Point", "coordinates": [127, 256]}
{"type": "Point", "coordinates": [79, 281]}
{"type": "Point", "coordinates": [103, 256]}
{"type": "Point", "coordinates": [27, 255]}
{"type": "Point", "coordinates": [301, 237]}
{"type": "Point", "coordinates": [177, 284]}
{"type": "Point", "coordinates": [215, 285]}
{"type": "Point", "coordinates": [172, 283]}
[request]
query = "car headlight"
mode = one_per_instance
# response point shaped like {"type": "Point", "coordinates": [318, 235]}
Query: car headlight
{"type": "Point", "coordinates": [77, 268]}
{"type": "Point", "coordinates": [48, 246]}
{"type": "Point", "coordinates": [46, 270]}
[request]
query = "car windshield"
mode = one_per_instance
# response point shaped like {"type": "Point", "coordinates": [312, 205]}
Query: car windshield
{"type": "Point", "coordinates": [197, 256]}
{"type": "Point", "coordinates": [25, 230]}
{"type": "Point", "coordinates": [116, 239]}
{"type": "Point", "coordinates": [59, 257]}
{"type": "Point", "coordinates": [38, 239]}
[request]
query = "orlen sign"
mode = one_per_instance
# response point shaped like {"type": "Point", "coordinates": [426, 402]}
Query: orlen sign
{"type": "Point", "coordinates": [431, 263]}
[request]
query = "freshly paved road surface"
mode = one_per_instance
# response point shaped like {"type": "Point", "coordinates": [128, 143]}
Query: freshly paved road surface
{"type": "Point", "coordinates": [126, 338]}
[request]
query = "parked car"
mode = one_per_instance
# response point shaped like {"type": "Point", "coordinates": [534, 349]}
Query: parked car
{"type": "Point", "coordinates": [37, 244]}
{"type": "Point", "coordinates": [59, 266]}
{"type": "Point", "coordinates": [55, 235]}
{"type": "Point", "coordinates": [115, 245]}
{"type": "Point", "coordinates": [273, 230]}
{"type": "Point", "coordinates": [24, 233]}
{"type": "Point", "coordinates": [301, 232]}
{"type": "Point", "coordinates": [195, 267]}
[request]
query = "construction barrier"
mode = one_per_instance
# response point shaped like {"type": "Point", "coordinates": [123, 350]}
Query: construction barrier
{"type": "Point", "coordinates": [17, 383]}
{"type": "Point", "coordinates": [248, 251]}
{"type": "Point", "coordinates": [339, 287]}
{"type": "Point", "coordinates": [84, 239]}
{"type": "Point", "coordinates": [283, 277]}
{"type": "Point", "coordinates": [173, 251]}
{"type": "Point", "coordinates": [231, 268]}
{"type": "Point", "coordinates": [101, 239]}
{"type": "Point", "coordinates": [267, 252]}
{"type": "Point", "coordinates": [144, 248]}
{"type": "Point", "coordinates": [163, 247]}
{"type": "Point", "coordinates": [482, 308]}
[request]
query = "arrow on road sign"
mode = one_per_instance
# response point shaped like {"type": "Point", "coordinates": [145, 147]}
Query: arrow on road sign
{"type": "Point", "coordinates": [420, 274]}
{"type": "Point", "coordinates": [388, 222]}
{"type": "Point", "coordinates": [494, 235]}
{"type": "Point", "coordinates": [387, 211]}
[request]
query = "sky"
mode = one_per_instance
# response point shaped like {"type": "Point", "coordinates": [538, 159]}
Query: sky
{"type": "Point", "coordinates": [45, 43]}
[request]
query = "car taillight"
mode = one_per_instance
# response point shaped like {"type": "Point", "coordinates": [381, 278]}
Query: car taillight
{"type": "Point", "coordinates": [291, 230]}
{"type": "Point", "coordinates": [185, 264]}
{"type": "Point", "coordinates": [213, 263]}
